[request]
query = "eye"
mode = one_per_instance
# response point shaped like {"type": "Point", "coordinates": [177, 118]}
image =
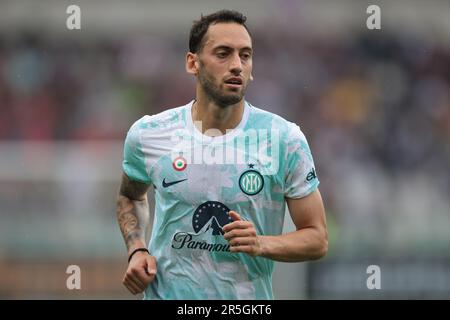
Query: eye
{"type": "Point", "coordinates": [222, 54]}
{"type": "Point", "coordinates": [246, 55]}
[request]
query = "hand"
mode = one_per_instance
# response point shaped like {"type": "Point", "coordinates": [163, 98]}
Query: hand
{"type": "Point", "coordinates": [241, 236]}
{"type": "Point", "coordinates": [141, 271]}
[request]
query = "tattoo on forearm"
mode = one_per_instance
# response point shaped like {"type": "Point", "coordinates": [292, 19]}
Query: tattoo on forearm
{"type": "Point", "coordinates": [129, 226]}
{"type": "Point", "coordinates": [132, 211]}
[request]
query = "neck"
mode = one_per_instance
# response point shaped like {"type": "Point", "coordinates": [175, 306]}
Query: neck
{"type": "Point", "coordinates": [213, 117]}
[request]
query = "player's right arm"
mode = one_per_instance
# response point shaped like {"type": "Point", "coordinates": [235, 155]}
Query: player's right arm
{"type": "Point", "coordinates": [133, 219]}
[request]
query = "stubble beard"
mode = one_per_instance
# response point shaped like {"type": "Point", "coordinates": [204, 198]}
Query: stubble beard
{"type": "Point", "coordinates": [214, 92]}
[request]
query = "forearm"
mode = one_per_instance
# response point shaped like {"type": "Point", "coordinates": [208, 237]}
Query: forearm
{"type": "Point", "coordinates": [305, 244]}
{"type": "Point", "coordinates": [133, 219]}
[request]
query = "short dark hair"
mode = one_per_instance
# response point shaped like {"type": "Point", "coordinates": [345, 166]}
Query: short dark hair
{"type": "Point", "coordinates": [200, 27]}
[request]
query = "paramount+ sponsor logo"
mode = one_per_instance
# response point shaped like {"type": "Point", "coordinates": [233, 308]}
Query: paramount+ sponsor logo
{"type": "Point", "coordinates": [207, 222]}
{"type": "Point", "coordinates": [184, 239]}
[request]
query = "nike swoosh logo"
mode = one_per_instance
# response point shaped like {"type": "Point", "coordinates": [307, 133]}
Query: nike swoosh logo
{"type": "Point", "coordinates": [168, 184]}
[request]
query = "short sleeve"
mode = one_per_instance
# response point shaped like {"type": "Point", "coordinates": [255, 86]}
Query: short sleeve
{"type": "Point", "coordinates": [300, 174]}
{"type": "Point", "coordinates": [134, 164]}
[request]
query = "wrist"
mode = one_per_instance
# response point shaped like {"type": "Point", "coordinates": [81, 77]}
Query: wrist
{"type": "Point", "coordinates": [264, 242]}
{"type": "Point", "coordinates": [137, 251]}
{"type": "Point", "coordinates": [135, 245]}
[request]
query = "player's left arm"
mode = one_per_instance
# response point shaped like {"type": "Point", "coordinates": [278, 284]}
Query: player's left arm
{"type": "Point", "coordinates": [308, 242]}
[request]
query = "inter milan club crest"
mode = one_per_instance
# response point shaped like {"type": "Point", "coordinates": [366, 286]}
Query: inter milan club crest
{"type": "Point", "coordinates": [251, 181]}
{"type": "Point", "coordinates": [179, 163]}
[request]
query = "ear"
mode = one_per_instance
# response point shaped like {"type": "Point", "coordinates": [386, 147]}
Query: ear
{"type": "Point", "coordinates": [251, 77]}
{"type": "Point", "coordinates": [192, 63]}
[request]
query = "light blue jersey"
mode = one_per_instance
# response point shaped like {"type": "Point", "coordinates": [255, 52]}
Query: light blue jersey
{"type": "Point", "coordinates": [198, 179]}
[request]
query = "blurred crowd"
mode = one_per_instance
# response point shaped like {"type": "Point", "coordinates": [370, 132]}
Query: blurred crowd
{"type": "Point", "coordinates": [375, 99]}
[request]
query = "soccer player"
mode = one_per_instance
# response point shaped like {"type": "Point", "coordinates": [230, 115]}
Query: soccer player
{"type": "Point", "coordinates": [223, 172]}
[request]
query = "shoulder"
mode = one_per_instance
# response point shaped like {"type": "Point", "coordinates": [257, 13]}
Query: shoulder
{"type": "Point", "coordinates": [167, 119]}
{"type": "Point", "coordinates": [287, 130]}
{"type": "Point", "coordinates": [157, 129]}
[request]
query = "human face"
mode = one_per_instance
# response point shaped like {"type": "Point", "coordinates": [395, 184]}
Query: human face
{"type": "Point", "coordinates": [225, 63]}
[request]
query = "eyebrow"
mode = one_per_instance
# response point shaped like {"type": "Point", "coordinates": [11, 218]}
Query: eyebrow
{"type": "Point", "coordinates": [228, 48]}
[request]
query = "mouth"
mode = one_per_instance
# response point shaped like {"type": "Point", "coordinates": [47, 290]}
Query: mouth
{"type": "Point", "coordinates": [234, 82]}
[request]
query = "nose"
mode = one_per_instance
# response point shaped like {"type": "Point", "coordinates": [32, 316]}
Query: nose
{"type": "Point", "coordinates": [236, 64]}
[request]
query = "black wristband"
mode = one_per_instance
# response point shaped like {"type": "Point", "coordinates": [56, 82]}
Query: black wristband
{"type": "Point", "coordinates": [137, 250]}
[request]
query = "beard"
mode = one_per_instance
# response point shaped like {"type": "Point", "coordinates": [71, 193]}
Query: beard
{"type": "Point", "coordinates": [218, 94]}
